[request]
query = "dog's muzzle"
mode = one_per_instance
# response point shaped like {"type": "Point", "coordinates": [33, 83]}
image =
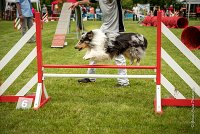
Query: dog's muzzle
{"type": "Point", "coordinates": [79, 49]}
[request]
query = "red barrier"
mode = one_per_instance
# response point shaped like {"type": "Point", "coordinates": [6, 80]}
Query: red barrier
{"type": "Point", "coordinates": [171, 22]}
{"type": "Point", "coordinates": [154, 21]}
{"type": "Point", "coordinates": [146, 21]}
{"type": "Point", "coordinates": [181, 22]}
{"type": "Point", "coordinates": [191, 37]}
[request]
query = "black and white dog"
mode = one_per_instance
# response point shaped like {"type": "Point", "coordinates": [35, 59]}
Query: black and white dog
{"type": "Point", "coordinates": [100, 47]}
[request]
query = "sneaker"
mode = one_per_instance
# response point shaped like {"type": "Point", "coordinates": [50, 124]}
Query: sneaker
{"type": "Point", "coordinates": [119, 86]}
{"type": "Point", "coordinates": [85, 80]}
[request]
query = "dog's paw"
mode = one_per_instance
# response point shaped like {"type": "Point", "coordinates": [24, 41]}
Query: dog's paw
{"type": "Point", "coordinates": [138, 63]}
{"type": "Point", "coordinates": [86, 57]}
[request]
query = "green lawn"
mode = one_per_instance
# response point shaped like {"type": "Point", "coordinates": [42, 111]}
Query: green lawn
{"type": "Point", "coordinates": [96, 108]}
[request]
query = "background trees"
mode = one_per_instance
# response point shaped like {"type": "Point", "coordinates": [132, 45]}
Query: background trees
{"type": "Point", "coordinates": [128, 4]}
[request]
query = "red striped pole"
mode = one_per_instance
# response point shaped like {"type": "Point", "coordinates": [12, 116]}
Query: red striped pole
{"type": "Point", "coordinates": [39, 46]}
{"type": "Point", "coordinates": [98, 66]}
{"type": "Point", "coordinates": [158, 106]}
{"type": "Point", "coordinates": [158, 62]}
{"type": "Point", "coordinates": [40, 98]}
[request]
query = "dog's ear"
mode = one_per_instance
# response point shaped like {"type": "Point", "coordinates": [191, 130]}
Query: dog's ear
{"type": "Point", "coordinates": [90, 35]}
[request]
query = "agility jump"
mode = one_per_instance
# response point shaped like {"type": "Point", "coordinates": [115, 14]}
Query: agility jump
{"type": "Point", "coordinates": [42, 97]}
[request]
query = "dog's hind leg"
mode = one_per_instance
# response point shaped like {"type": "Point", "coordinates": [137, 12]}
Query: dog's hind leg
{"type": "Point", "coordinates": [138, 61]}
{"type": "Point", "coordinates": [132, 60]}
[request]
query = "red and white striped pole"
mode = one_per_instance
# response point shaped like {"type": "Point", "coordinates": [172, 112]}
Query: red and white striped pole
{"type": "Point", "coordinates": [39, 46]}
{"type": "Point", "coordinates": [158, 107]}
{"type": "Point", "coordinates": [40, 86]}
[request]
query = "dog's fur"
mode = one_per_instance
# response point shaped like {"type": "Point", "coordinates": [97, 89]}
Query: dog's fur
{"type": "Point", "coordinates": [100, 47]}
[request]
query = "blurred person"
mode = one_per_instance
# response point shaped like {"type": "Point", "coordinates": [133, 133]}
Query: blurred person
{"type": "Point", "coordinates": [182, 11]}
{"type": "Point", "coordinates": [25, 14]}
{"type": "Point", "coordinates": [155, 11]}
{"type": "Point", "coordinates": [44, 10]}
{"type": "Point", "coordinates": [98, 13]}
{"type": "Point", "coordinates": [92, 12]}
{"type": "Point", "coordinates": [33, 11]}
{"type": "Point", "coordinates": [135, 13]}
{"type": "Point", "coordinates": [171, 9]}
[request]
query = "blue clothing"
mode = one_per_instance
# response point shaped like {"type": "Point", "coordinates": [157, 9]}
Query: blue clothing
{"type": "Point", "coordinates": [25, 7]}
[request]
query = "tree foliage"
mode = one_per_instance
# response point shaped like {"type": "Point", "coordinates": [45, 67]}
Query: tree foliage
{"type": "Point", "coordinates": [47, 2]}
{"type": "Point", "coordinates": [128, 4]}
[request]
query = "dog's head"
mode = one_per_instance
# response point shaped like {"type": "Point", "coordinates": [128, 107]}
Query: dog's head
{"type": "Point", "coordinates": [85, 41]}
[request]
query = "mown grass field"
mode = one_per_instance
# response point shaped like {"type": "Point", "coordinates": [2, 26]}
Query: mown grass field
{"type": "Point", "coordinates": [96, 108]}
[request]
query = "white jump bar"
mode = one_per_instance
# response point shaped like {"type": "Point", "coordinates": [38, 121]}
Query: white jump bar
{"type": "Point", "coordinates": [98, 76]}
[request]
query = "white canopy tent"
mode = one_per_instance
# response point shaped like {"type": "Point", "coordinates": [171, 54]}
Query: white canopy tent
{"type": "Point", "coordinates": [32, 1]}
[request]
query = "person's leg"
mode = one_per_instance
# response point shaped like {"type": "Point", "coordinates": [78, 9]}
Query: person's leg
{"type": "Point", "coordinates": [30, 24]}
{"type": "Point", "coordinates": [120, 60]}
{"type": "Point", "coordinates": [133, 17]}
{"type": "Point", "coordinates": [23, 25]}
{"type": "Point", "coordinates": [89, 71]}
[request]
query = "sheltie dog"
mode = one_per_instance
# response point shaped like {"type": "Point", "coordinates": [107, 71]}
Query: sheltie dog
{"type": "Point", "coordinates": [100, 47]}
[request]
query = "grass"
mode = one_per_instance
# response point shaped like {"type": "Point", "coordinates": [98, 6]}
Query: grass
{"type": "Point", "coordinates": [96, 108]}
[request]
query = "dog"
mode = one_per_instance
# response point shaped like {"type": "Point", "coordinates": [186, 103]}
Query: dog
{"type": "Point", "coordinates": [101, 47]}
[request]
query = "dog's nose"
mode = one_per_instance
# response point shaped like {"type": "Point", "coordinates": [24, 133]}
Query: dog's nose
{"type": "Point", "coordinates": [75, 47]}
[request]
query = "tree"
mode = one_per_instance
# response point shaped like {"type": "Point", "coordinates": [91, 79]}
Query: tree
{"type": "Point", "coordinates": [47, 2]}
{"type": "Point", "coordinates": [127, 4]}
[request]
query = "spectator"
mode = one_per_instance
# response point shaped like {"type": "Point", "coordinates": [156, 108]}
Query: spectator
{"type": "Point", "coordinates": [91, 13]}
{"type": "Point", "coordinates": [198, 11]}
{"type": "Point", "coordinates": [98, 10]}
{"type": "Point", "coordinates": [167, 13]}
{"type": "Point", "coordinates": [182, 11]}
{"type": "Point", "coordinates": [44, 10]}
{"type": "Point", "coordinates": [135, 13]}
{"type": "Point", "coordinates": [177, 13]}
{"type": "Point", "coordinates": [92, 10]}
{"type": "Point", "coordinates": [98, 13]}
{"type": "Point", "coordinates": [155, 11]}
{"type": "Point", "coordinates": [88, 8]}
{"type": "Point", "coordinates": [26, 16]}
{"type": "Point", "coordinates": [171, 14]}
{"type": "Point", "coordinates": [165, 9]}
{"type": "Point", "coordinates": [33, 11]}
{"type": "Point", "coordinates": [84, 11]}
{"type": "Point", "coordinates": [150, 13]}
{"type": "Point", "coordinates": [8, 12]}
{"type": "Point", "coordinates": [171, 9]}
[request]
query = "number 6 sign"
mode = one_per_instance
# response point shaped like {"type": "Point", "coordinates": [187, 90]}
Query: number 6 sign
{"type": "Point", "coordinates": [24, 103]}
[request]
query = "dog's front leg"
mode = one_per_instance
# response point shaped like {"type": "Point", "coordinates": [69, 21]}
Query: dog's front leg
{"type": "Point", "coordinates": [93, 54]}
{"type": "Point", "coordinates": [87, 55]}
